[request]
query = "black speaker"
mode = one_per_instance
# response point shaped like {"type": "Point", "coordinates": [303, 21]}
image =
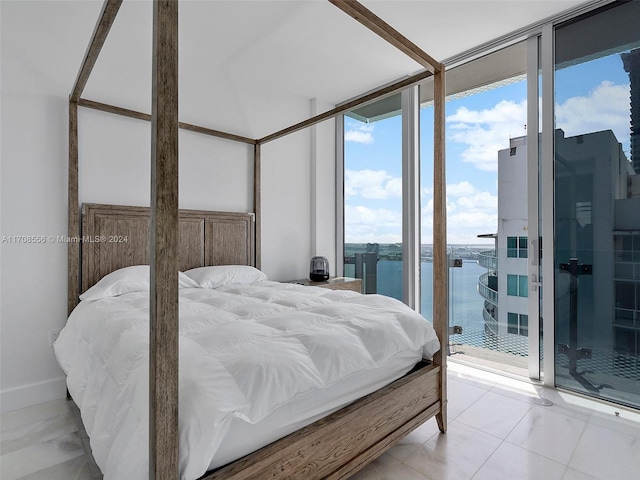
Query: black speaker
{"type": "Point", "coordinates": [319, 270]}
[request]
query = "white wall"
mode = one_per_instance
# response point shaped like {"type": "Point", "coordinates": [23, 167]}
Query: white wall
{"type": "Point", "coordinates": [299, 199]}
{"type": "Point", "coordinates": [37, 71]}
{"type": "Point", "coordinates": [285, 207]}
{"type": "Point", "coordinates": [323, 183]}
{"type": "Point", "coordinates": [114, 165]}
{"type": "Point", "coordinates": [43, 44]}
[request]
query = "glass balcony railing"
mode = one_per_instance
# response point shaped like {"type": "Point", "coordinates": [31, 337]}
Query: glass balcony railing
{"type": "Point", "coordinates": [364, 265]}
{"type": "Point", "coordinates": [487, 292]}
{"type": "Point", "coordinates": [488, 260]}
{"type": "Point", "coordinates": [490, 322]}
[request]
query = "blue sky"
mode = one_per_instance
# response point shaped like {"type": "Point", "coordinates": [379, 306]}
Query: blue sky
{"type": "Point", "coordinates": [590, 97]}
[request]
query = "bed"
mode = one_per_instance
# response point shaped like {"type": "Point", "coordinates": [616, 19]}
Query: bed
{"type": "Point", "coordinates": [342, 437]}
{"type": "Point", "coordinates": [300, 355]}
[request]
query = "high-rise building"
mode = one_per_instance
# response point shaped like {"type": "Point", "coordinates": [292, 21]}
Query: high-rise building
{"type": "Point", "coordinates": [505, 285]}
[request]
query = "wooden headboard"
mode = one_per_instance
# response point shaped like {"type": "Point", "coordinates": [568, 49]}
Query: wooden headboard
{"type": "Point", "coordinates": [117, 236]}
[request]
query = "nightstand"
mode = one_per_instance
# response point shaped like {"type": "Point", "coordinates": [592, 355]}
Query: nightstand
{"type": "Point", "coordinates": [334, 283]}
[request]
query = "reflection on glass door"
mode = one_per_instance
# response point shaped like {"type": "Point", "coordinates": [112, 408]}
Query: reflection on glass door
{"type": "Point", "coordinates": [597, 205]}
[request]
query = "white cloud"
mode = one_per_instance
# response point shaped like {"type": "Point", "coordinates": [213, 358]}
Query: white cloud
{"type": "Point", "coordinates": [470, 212]}
{"type": "Point", "coordinates": [366, 236]}
{"type": "Point", "coordinates": [485, 132]}
{"type": "Point", "coordinates": [361, 215]}
{"type": "Point", "coordinates": [505, 111]}
{"type": "Point", "coordinates": [460, 189]}
{"type": "Point", "coordinates": [479, 222]}
{"type": "Point", "coordinates": [606, 107]}
{"type": "Point", "coordinates": [462, 227]}
{"type": "Point", "coordinates": [359, 133]}
{"type": "Point", "coordinates": [479, 202]}
{"type": "Point", "coordinates": [372, 184]}
{"type": "Point", "coordinates": [366, 224]}
{"type": "Point", "coordinates": [470, 199]}
{"type": "Point", "coordinates": [394, 187]}
{"type": "Point", "coordinates": [426, 191]}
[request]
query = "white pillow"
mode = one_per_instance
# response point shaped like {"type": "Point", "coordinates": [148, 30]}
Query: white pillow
{"type": "Point", "coordinates": [129, 279]}
{"type": "Point", "coordinates": [219, 275]}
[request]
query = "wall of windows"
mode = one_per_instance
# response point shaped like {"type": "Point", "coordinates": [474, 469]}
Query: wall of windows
{"type": "Point", "coordinates": [533, 207]}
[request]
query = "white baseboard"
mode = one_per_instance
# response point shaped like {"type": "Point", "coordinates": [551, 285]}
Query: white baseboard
{"type": "Point", "coordinates": [32, 394]}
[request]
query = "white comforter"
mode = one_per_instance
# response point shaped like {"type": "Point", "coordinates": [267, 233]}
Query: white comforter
{"type": "Point", "coordinates": [244, 350]}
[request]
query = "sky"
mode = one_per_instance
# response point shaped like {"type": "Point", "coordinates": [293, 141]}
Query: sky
{"type": "Point", "coordinates": [589, 97]}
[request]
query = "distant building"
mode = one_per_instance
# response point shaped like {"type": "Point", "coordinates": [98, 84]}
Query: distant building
{"type": "Point", "coordinates": [505, 285]}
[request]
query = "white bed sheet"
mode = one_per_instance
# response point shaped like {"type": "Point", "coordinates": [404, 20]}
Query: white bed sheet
{"type": "Point", "coordinates": [245, 351]}
{"type": "Point", "coordinates": [244, 438]}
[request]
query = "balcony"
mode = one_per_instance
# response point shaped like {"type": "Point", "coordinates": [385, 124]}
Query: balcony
{"type": "Point", "coordinates": [487, 288]}
{"type": "Point", "coordinates": [488, 260]}
{"type": "Point", "coordinates": [490, 316]}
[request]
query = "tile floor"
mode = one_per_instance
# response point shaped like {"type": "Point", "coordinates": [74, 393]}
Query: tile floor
{"type": "Point", "coordinates": [497, 430]}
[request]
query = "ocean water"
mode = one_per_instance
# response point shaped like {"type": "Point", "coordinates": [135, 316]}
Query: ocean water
{"type": "Point", "coordinates": [465, 303]}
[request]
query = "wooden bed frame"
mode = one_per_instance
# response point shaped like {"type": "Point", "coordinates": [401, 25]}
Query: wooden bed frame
{"type": "Point", "coordinates": [169, 239]}
{"type": "Point", "coordinates": [119, 237]}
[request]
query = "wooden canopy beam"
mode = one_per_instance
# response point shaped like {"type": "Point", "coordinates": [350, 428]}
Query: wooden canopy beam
{"type": "Point", "coordinates": [104, 107]}
{"type": "Point", "coordinates": [103, 25]}
{"type": "Point", "coordinates": [374, 23]}
{"type": "Point", "coordinates": [350, 105]}
{"type": "Point", "coordinates": [105, 21]}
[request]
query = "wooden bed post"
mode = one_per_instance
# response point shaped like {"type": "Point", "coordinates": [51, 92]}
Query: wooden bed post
{"type": "Point", "coordinates": [74, 213]}
{"type": "Point", "coordinates": [440, 263]}
{"type": "Point", "coordinates": [257, 203]}
{"type": "Point", "coordinates": [163, 294]}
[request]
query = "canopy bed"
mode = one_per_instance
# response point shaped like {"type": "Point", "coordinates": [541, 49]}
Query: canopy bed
{"type": "Point", "coordinates": [342, 439]}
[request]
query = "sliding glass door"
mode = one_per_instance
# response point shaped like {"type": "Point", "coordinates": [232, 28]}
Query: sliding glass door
{"type": "Point", "coordinates": [543, 200]}
{"type": "Point", "coordinates": [488, 198]}
{"type": "Point", "coordinates": [596, 259]}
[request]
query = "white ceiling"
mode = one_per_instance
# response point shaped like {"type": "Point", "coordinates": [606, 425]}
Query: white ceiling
{"type": "Point", "coordinates": [245, 66]}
